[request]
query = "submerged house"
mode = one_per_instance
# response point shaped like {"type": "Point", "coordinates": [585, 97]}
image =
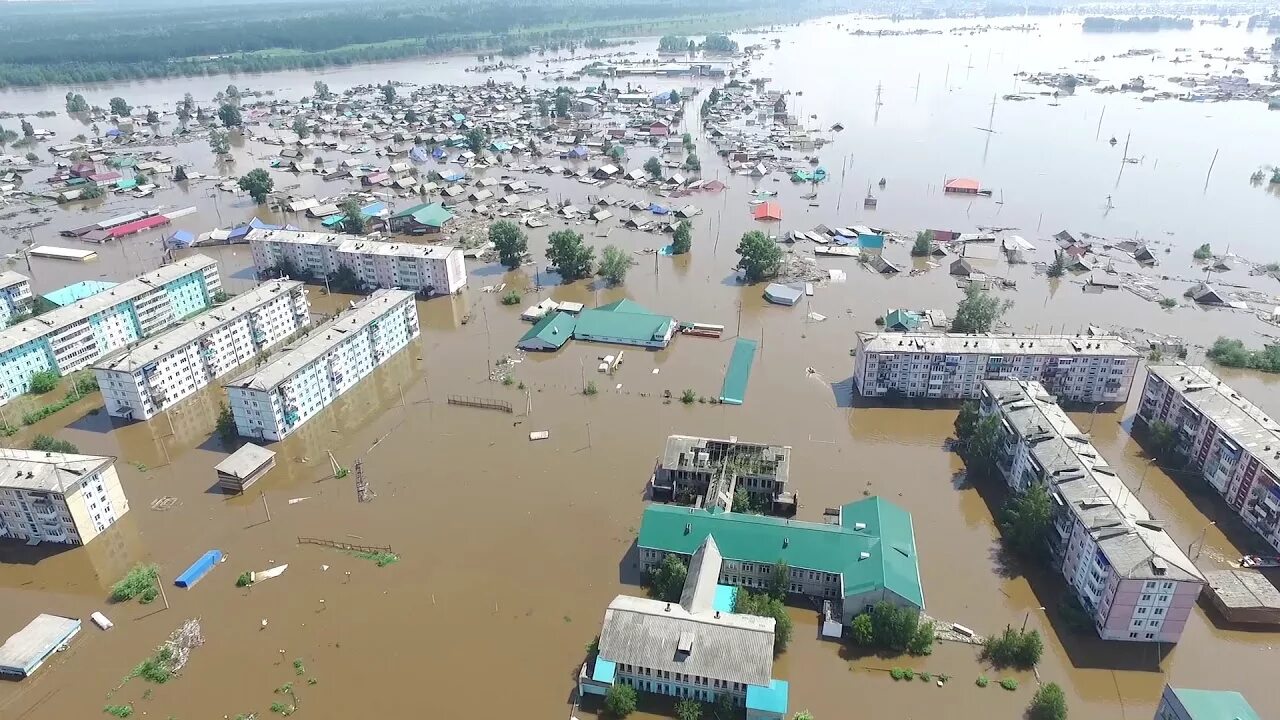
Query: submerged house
{"type": "Point", "coordinates": [423, 218]}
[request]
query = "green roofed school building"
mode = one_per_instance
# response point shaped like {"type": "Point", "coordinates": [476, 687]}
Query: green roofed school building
{"type": "Point", "coordinates": [697, 648]}
{"type": "Point", "coordinates": [625, 323]}
{"type": "Point", "coordinates": [864, 553]}
{"type": "Point", "coordinates": [1185, 704]}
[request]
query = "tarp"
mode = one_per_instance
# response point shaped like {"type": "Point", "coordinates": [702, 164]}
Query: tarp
{"type": "Point", "coordinates": [734, 389]}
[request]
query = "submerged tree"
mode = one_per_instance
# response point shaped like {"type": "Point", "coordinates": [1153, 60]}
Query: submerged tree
{"type": "Point", "coordinates": [759, 257]}
{"type": "Point", "coordinates": [923, 244]}
{"type": "Point", "coordinates": [653, 166]}
{"type": "Point", "coordinates": [76, 103]}
{"type": "Point", "coordinates": [230, 116]}
{"type": "Point", "coordinates": [979, 311]}
{"type": "Point", "coordinates": [1059, 266]}
{"type": "Point", "coordinates": [666, 581]}
{"type": "Point", "coordinates": [682, 240]}
{"type": "Point", "coordinates": [569, 255]}
{"type": "Point", "coordinates": [119, 107]}
{"type": "Point", "coordinates": [510, 242]}
{"type": "Point", "coordinates": [258, 184]}
{"type": "Point", "coordinates": [614, 264]}
{"type": "Point", "coordinates": [1026, 521]}
{"type": "Point", "coordinates": [353, 220]}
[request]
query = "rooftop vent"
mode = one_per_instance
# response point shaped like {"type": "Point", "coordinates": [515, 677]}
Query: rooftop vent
{"type": "Point", "coordinates": [786, 542]}
{"type": "Point", "coordinates": [864, 555]}
{"type": "Point", "coordinates": [688, 527]}
{"type": "Point", "coordinates": [859, 526]}
{"type": "Point", "coordinates": [668, 607]}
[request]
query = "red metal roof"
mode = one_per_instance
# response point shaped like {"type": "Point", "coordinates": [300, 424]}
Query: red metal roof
{"type": "Point", "coordinates": [138, 226]}
{"type": "Point", "coordinates": [768, 211]}
{"type": "Point", "coordinates": [965, 184]}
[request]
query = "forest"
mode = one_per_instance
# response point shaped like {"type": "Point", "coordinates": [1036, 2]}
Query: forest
{"type": "Point", "coordinates": [58, 43]}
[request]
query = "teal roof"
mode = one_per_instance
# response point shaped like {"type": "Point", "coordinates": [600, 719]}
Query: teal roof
{"type": "Point", "coordinates": [726, 598]}
{"type": "Point", "coordinates": [772, 699]}
{"type": "Point", "coordinates": [1215, 705]}
{"type": "Point", "coordinates": [604, 671]}
{"type": "Point", "coordinates": [888, 537]}
{"type": "Point", "coordinates": [407, 212]}
{"type": "Point", "coordinates": [77, 291]}
{"type": "Point", "coordinates": [554, 329]}
{"type": "Point", "coordinates": [429, 214]}
{"type": "Point", "coordinates": [734, 389]}
{"type": "Point", "coordinates": [901, 319]}
{"type": "Point", "coordinates": [625, 320]}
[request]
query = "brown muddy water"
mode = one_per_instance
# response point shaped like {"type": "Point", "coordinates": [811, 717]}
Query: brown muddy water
{"type": "Point", "coordinates": [511, 550]}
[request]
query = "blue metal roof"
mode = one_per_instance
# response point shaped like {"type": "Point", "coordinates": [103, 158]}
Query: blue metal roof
{"type": "Point", "coordinates": [725, 597]}
{"type": "Point", "coordinates": [772, 699]}
{"type": "Point", "coordinates": [604, 671]}
{"type": "Point", "coordinates": [76, 292]}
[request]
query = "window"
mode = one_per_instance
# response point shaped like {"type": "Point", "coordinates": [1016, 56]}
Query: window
{"type": "Point", "coordinates": [1150, 635]}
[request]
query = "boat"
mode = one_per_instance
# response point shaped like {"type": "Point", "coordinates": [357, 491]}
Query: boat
{"type": "Point", "coordinates": [1260, 561]}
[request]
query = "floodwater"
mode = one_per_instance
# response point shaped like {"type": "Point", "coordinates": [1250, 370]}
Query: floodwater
{"type": "Point", "coordinates": [511, 550]}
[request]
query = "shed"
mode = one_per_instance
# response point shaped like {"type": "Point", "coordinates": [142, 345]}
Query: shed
{"type": "Point", "coordinates": [550, 333]}
{"type": "Point", "coordinates": [1244, 596]}
{"type": "Point", "coordinates": [963, 186]}
{"type": "Point", "coordinates": [244, 467]}
{"type": "Point", "coordinates": [780, 294]}
{"type": "Point", "coordinates": [28, 648]}
{"type": "Point", "coordinates": [199, 569]}
{"type": "Point", "coordinates": [882, 266]}
{"type": "Point", "coordinates": [768, 212]}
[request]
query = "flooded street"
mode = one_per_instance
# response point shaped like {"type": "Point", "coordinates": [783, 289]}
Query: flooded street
{"type": "Point", "coordinates": [511, 550]}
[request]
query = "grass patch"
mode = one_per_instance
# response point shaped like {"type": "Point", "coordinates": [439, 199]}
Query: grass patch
{"type": "Point", "coordinates": [140, 580]}
{"type": "Point", "coordinates": [382, 558]}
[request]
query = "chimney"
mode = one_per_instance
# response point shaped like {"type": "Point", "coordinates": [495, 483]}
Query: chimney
{"type": "Point", "coordinates": [668, 608]}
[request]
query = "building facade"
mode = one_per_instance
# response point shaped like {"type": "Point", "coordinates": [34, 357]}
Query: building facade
{"type": "Point", "coordinates": [74, 337]}
{"type": "Point", "coordinates": [1134, 581]}
{"type": "Point", "coordinates": [1188, 704]}
{"type": "Point", "coordinates": [1228, 440]}
{"type": "Point", "coordinates": [15, 296]}
{"type": "Point", "coordinates": [275, 399]}
{"type": "Point", "coordinates": [159, 373]}
{"type": "Point", "coordinates": [717, 469]}
{"type": "Point", "coordinates": [430, 269]}
{"type": "Point", "coordinates": [954, 366]}
{"type": "Point", "coordinates": [58, 497]}
{"type": "Point", "coordinates": [864, 554]}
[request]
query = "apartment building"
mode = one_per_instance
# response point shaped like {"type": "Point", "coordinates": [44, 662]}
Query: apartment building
{"type": "Point", "coordinates": [1231, 442]}
{"type": "Point", "coordinates": [716, 469]}
{"type": "Point", "coordinates": [697, 648]}
{"type": "Point", "coordinates": [75, 336]}
{"type": "Point", "coordinates": [863, 554]}
{"type": "Point", "coordinates": [58, 497]}
{"type": "Point", "coordinates": [161, 371]}
{"type": "Point", "coordinates": [15, 296]}
{"type": "Point", "coordinates": [1127, 573]}
{"type": "Point", "coordinates": [275, 399]}
{"type": "Point", "coordinates": [952, 366]}
{"type": "Point", "coordinates": [430, 269]}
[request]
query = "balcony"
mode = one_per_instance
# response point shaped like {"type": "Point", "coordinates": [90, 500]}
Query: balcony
{"type": "Point", "coordinates": [45, 511]}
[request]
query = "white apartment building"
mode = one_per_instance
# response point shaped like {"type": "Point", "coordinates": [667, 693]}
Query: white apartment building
{"type": "Point", "coordinates": [57, 497]}
{"type": "Point", "coordinates": [161, 371]}
{"type": "Point", "coordinates": [275, 399]}
{"type": "Point", "coordinates": [1231, 442]}
{"type": "Point", "coordinates": [1128, 574]}
{"type": "Point", "coordinates": [15, 296]}
{"type": "Point", "coordinates": [75, 336]}
{"type": "Point", "coordinates": [952, 366]}
{"type": "Point", "coordinates": [430, 269]}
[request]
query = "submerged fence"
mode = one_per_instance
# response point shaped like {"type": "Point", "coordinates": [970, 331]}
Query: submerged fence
{"type": "Point", "coordinates": [480, 402]}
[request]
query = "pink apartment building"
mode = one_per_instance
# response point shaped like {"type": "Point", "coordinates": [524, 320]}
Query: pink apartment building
{"type": "Point", "coordinates": [1124, 569]}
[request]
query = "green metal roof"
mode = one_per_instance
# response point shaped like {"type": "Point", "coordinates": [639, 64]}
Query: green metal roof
{"type": "Point", "coordinates": [888, 538]}
{"type": "Point", "coordinates": [734, 389]}
{"type": "Point", "coordinates": [407, 212]}
{"type": "Point", "coordinates": [433, 215]}
{"type": "Point", "coordinates": [622, 319]}
{"type": "Point", "coordinates": [1215, 705]}
{"type": "Point", "coordinates": [902, 319]}
{"type": "Point", "coordinates": [554, 329]}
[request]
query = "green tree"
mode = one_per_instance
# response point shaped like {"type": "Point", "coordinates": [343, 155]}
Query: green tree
{"type": "Point", "coordinates": [90, 192]}
{"type": "Point", "coordinates": [763, 605]}
{"type": "Point", "coordinates": [682, 240]}
{"type": "Point", "coordinates": [779, 581]}
{"type": "Point", "coordinates": [352, 217]}
{"type": "Point", "coordinates": [321, 90]}
{"type": "Point", "coordinates": [1026, 521]}
{"type": "Point", "coordinates": [219, 142]}
{"type": "Point", "coordinates": [1014, 648]}
{"type": "Point", "coordinates": [226, 426]}
{"type": "Point", "coordinates": [45, 443]}
{"type": "Point", "coordinates": [28, 130]}
{"type": "Point", "coordinates": [1204, 252]}
{"type": "Point", "coordinates": [688, 709]}
{"type": "Point", "coordinates": [562, 103]}
{"type": "Point", "coordinates": [43, 381]}
{"type": "Point", "coordinates": [1059, 266]}
{"type": "Point", "coordinates": [692, 163]}
{"type": "Point", "coordinates": [388, 92]}
{"type": "Point", "coordinates": [967, 420]}
{"type": "Point", "coordinates": [979, 311]}
{"type": "Point", "coordinates": [724, 708]}
{"type": "Point", "coordinates": [982, 446]}
{"type": "Point", "coordinates": [921, 642]}
{"type": "Point", "coordinates": [802, 715]}
{"type": "Point", "coordinates": [567, 253]}
{"type": "Point", "coordinates": [620, 700]}
{"type": "Point", "coordinates": [1163, 439]}
{"type": "Point", "coordinates": [666, 581]}
{"type": "Point", "coordinates": [153, 117]}
{"type": "Point", "coordinates": [76, 103]}
{"type": "Point", "coordinates": [232, 92]}
{"type": "Point", "coordinates": [653, 166]}
{"type": "Point", "coordinates": [544, 108]}
{"type": "Point", "coordinates": [614, 265]}
{"type": "Point", "coordinates": [719, 43]}
{"type": "Point", "coordinates": [477, 140]}
{"type": "Point", "coordinates": [759, 257]}
{"type": "Point", "coordinates": [410, 117]}
{"type": "Point", "coordinates": [230, 116]}
{"type": "Point", "coordinates": [258, 184]}
{"type": "Point", "coordinates": [893, 627]}
{"type": "Point", "coordinates": [1049, 703]}
{"type": "Point", "coordinates": [510, 242]}
{"type": "Point", "coordinates": [300, 126]}
{"type": "Point", "coordinates": [345, 280]}
{"type": "Point", "coordinates": [687, 141]}
{"type": "Point", "coordinates": [119, 107]}
{"type": "Point", "coordinates": [924, 243]}
{"type": "Point", "coordinates": [861, 631]}
{"type": "Point", "coordinates": [617, 152]}
{"type": "Point", "coordinates": [673, 44]}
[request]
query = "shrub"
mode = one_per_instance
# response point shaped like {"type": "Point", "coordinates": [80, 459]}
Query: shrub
{"type": "Point", "coordinates": [44, 443]}
{"type": "Point", "coordinates": [508, 381]}
{"type": "Point", "coordinates": [861, 632]}
{"type": "Point", "coordinates": [1049, 703]}
{"type": "Point", "coordinates": [620, 701]}
{"type": "Point", "coordinates": [120, 711]}
{"type": "Point", "coordinates": [1009, 684]}
{"type": "Point", "coordinates": [927, 677]}
{"type": "Point", "coordinates": [688, 397]}
{"type": "Point", "coordinates": [1168, 303]}
{"type": "Point", "coordinates": [982, 681]}
{"type": "Point", "coordinates": [1014, 648]}
{"type": "Point", "coordinates": [137, 581]}
{"type": "Point", "coordinates": [590, 389]}
{"type": "Point", "coordinates": [511, 298]}
{"type": "Point", "coordinates": [896, 673]}
{"type": "Point", "coordinates": [43, 381]}
{"type": "Point", "coordinates": [245, 579]}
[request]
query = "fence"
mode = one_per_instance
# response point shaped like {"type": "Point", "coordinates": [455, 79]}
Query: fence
{"type": "Point", "coordinates": [479, 402]}
{"type": "Point", "coordinates": [344, 545]}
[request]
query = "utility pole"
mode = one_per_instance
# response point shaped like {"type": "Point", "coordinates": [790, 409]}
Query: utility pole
{"type": "Point", "coordinates": [263, 494]}
{"type": "Point", "coordinates": [160, 587]}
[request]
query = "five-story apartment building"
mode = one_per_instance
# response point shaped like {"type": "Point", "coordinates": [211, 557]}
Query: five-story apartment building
{"type": "Point", "coordinates": [430, 269]}
{"type": "Point", "coordinates": [58, 497]}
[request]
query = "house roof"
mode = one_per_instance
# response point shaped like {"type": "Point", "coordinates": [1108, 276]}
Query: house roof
{"type": "Point", "coordinates": [245, 462]}
{"type": "Point", "coordinates": [902, 319]}
{"type": "Point", "coordinates": [622, 319]}
{"type": "Point", "coordinates": [886, 535]}
{"type": "Point", "coordinates": [1215, 704]}
{"type": "Point", "coordinates": [554, 329]}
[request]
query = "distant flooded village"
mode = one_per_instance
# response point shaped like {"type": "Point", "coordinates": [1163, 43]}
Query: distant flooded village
{"type": "Point", "coordinates": [423, 345]}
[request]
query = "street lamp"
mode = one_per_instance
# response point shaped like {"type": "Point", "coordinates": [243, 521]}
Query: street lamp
{"type": "Point", "coordinates": [1027, 617]}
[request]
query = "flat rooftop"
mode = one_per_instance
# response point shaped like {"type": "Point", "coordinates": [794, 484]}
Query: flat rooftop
{"type": "Point", "coordinates": [1241, 420]}
{"type": "Point", "coordinates": [321, 340]}
{"type": "Point", "coordinates": [244, 462]}
{"type": "Point", "coordinates": [347, 244]}
{"type": "Point", "coordinates": [992, 344]}
{"type": "Point", "coordinates": [46, 471]}
{"type": "Point", "coordinates": [685, 452]}
{"type": "Point", "coordinates": [180, 336]}
{"type": "Point", "coordinates": [27, 648]}
{"type": "Point", "coordinates": [1122, 526]}
{"type": "Point", "coordinates": [10, 278]}
{"type": "Point", "coordinates": [41, 325]}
